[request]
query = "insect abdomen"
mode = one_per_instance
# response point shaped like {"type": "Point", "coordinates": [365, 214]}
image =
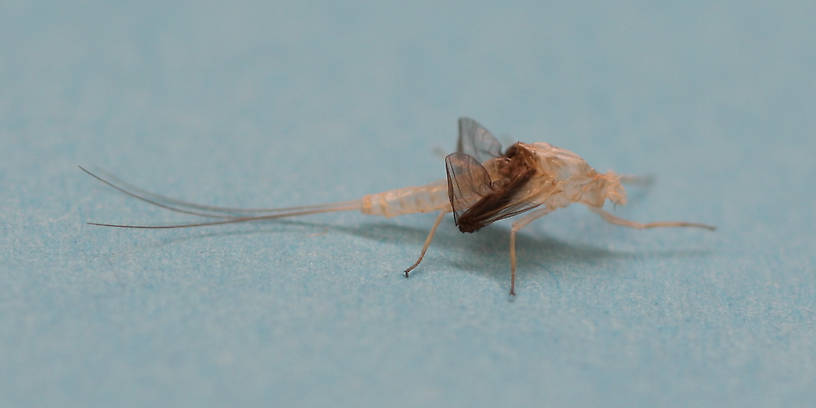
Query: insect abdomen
{"type": "Point", "coordinates": [408, 200]}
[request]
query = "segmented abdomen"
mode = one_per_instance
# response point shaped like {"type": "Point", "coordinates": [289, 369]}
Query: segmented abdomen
{"type": "Point", "coordinates": [408, 200]}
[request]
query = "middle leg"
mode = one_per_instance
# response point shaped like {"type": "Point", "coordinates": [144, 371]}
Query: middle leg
{"type": "Point", "coordinates": [521, 223]}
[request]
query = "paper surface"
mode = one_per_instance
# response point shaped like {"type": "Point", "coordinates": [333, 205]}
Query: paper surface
{"type": "Point", "coordinates": [261, 104]}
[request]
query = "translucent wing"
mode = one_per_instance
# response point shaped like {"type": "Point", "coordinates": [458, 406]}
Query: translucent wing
{"type": "Point", "coordinates": [502, 203]}
{"type": "Point", "coordinates": [477, 200]}
{"type": "Point", "coordinates": [468, 182]}
{"type": "Point", "coordinates": [477, 141]}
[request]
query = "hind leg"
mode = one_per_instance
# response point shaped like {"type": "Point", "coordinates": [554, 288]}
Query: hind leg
{"type": "Point", "coordinates": [427, 242]}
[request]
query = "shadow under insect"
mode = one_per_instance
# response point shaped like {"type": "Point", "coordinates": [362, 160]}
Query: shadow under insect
{"type": "Point", "coordinates": [543, 255]}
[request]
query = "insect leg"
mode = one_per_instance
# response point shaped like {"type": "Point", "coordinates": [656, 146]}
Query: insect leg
{"type": "Point", "coordinates": [427, 241]}
{"type": "Point", "coordinates": [521, 223]}
{"type": "Point", "coordinates": [636, 180]}
{"type": "Point", "coordinates": [636, 225]}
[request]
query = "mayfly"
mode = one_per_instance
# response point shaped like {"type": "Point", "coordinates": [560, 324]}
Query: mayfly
{"type": "Point", "coordinates": [483, 185]}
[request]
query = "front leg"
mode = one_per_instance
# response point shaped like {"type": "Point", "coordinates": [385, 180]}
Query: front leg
{"type": "Point", "coordinates": [608, 217]}
{"type": "Point", "coordinates": [521, 223]}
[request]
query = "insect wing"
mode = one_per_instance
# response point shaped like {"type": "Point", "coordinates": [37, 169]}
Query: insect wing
{"type": "Point", "coordinates": [477, 141]}
{"type": "Point", "coordinates": [468, 182]}
{"type": "Point", "coordinates": [478, 201]}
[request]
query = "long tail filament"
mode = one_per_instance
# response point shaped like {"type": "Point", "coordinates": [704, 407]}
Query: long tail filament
{"type": "Point", "coordinates": [228, 215]}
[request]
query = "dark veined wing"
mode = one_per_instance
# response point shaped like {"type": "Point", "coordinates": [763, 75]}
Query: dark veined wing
{"type": "Point", "coordinates": [468, 182]}
{"type": "Point", "coordinates": [477, 141]}
{"type": "Point", "coordinates": [477, 200]}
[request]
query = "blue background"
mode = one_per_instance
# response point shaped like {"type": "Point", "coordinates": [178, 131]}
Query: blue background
{"type": "Point", "coordinates": [278, 104]}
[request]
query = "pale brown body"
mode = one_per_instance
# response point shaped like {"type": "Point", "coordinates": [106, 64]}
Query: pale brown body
{"type": "Point", "coordinates": [528, 181]}
{"type": "Point", "coordinates": [561, 178]}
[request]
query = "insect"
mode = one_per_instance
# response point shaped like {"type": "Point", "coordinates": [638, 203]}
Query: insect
{"type": "Point", "coordinates": [483, 185]}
